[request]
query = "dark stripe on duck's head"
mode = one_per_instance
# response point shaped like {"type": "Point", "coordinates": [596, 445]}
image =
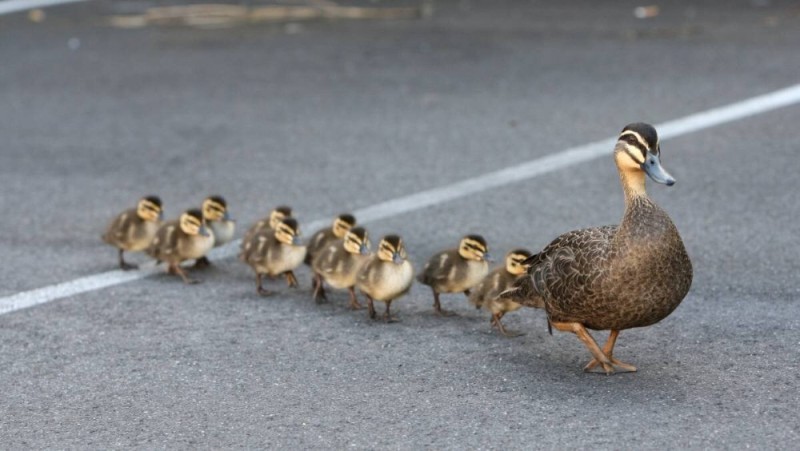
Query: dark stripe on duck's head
{"type": "Point", "coordinates": [218, 199]}
{"type": "Point", "coordinates": [155, 200]}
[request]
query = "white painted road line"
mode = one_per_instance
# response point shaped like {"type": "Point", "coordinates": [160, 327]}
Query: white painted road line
{"type": "Point", "coordinates": [13, 6]}
{"type": "Point", "coordinates": [524, 171]}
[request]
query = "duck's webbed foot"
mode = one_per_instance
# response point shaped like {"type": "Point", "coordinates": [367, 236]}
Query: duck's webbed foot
{"type": "Point", "coordinates": [584, 336]}
{"type": "Point", "coordinates": [202, 262]}
{"type": "Point", "coordinates": [608, 350]}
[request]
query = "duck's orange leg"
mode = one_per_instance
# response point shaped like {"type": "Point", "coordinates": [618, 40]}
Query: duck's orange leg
{"type": "Point", "coordinates": [588, 341]}
{"type": "Point", "coordinates": [608, 350]}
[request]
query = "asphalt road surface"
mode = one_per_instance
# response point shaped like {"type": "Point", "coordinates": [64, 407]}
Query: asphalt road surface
{"type": "Point", "coordinates": [330, 116]}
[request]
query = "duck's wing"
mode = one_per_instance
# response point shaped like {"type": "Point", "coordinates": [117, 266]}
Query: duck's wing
{"type": "Point", "coordinates": [566, 269]}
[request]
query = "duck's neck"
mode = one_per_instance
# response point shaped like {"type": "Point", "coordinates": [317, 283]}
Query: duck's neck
{"type": "Point", "coordinates": [633, 186]}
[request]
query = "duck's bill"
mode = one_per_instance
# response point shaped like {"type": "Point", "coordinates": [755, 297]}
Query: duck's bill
{"type": "Point", "coordinates": [297, 241]}
{"type": "Point", "coordinates": [397, 259]}
{"type": "Point", "coordinates": [364, 250]}
{"type": "Point", "coordinates": [488, 257]}
{"type": "Point", "coordinates": [203, 231]}
{"type": "Point", "coordinates": [652, 167]}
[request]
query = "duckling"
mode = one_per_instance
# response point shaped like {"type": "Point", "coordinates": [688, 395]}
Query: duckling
{"type": "Point", "coordinates": [386, 276]}
{"type": "Point", "coordinates": [277, 215]}
{"type": "Point", "coordinates": [339, 263]}
{"type": "Point", "coordinates": [184, 239]}
{"type": "Point", "coordinates": [134, 229]}
{"type": "Point", "coordinates": [276, 253]}
{"type": "Point", "coordinates": [615, 277]}
{"type": "Point", "coordinates": [456, 270]}
{"type": "Point", "coordinates": [489, 293]}
{"type": "Point", "coordinates": [324, 237]}
{"type": "Point", "coordinates": [215, 213]}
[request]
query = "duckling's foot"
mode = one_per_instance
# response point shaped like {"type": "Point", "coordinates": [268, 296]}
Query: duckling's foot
{"type": "Point", "coordinates": [264, 292]}
{"type": "Point", "coordinates": [319, 290]}
{"type": "Point", "coordinates": [387, 316]}
{"type": "Point", "coordinates": [354, 305]}
{"type": "Point", "coordinates": [202, 262]}
{"type": "Point", "coordinates": [437, 307]}
{"type": "Point", "coordinates": [291, 280]}
{"type": "Point", "coordinates": [500, 327]}
{"type": "Point", "coordinates": [125, 266]}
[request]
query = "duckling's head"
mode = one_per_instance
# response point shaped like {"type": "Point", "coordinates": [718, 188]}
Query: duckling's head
{"type": "Point", "coordinates": [288, 232]}
{"type": "Point", "coordinates": [149, 208]}
{"type": "Point", "coordinates": [279, 214]}
{"type": "Point", "coordinates": [192, 223]}
{"type": "Point", "coordinates": [215, 209]}
{"type": "Point", "coordinates": [343, 223]}
{"type": "Point", "coordinates": [391, 249]}
{"type": "Point", "coordinates": [356, 241]}
{"type": "Point", "coordinates": [638, 149]}
{"type": "Point", "coordinates": [473, 247]}
{"type": "Point", "coordinates": [515, 261]}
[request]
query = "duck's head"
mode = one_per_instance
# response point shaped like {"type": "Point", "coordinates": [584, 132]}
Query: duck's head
{"type": "Point", "coordinates": [515, 261]}
{"type": "Point", "coordinates": [343, 223]}
{"type": "Point", "coordinates": [215, 209]}
{"type": "Point", "coordinates": [473, 247]}
{"type": "Point", "coordinates": [149, 208]}
{"type": "Point", "coordinates": [279, 214]}
{"type": "Point", "coordinates": [288, 232]}
{"type": "Point", "coordinates": [192, 223]}
{"type": "Point", "coordinates": [638, 149]}
{"type": "Point", "coordinates": [391, 249]}
{"type": "Point", "coordinates": [356, 241]}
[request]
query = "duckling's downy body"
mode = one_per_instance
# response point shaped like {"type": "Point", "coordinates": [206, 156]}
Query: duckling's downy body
{"type": "Point", "coordinates": [218, 220]}
{"type": "Point", "coordinates": [181, 240]}
{"type": "Point", "coordinates": [325, 237]}
{"type": "Point", "coordinates": [456, 270]}
{"type": "Point", "coordinates": [489, 293]}
{"type": "Point", "coordinates": [277, 253]}
{"type": "Point", "coordinates": [339, 263]}
{"type": "Point", "coordinates": [386, 276]}
{"type": "Point", "coordinates": [134, 229]}
{"type": "Point", "coordinates": [615, 277]}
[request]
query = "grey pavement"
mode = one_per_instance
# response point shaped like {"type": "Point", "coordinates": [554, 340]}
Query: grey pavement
{"type": "Point", "coordinates": [334, 116]}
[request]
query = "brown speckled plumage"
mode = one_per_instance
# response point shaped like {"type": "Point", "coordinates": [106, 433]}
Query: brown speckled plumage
{"type": "Point", "coordinates": [614, 277]}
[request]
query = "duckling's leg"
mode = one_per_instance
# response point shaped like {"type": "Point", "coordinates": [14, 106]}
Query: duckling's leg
{"type": "Point", "coordinates": [588, 341]}
{"type": "Point", "coordinates": [259, 287]}
{"type": "Point", "coordinates": [175, 268]}
{"type": "Point", "coordinates": [354, 305]}
{"type": "Point", "coordinates": [467, 293]}
{"type": "Point", "coordinates": [202, 262]}
{"type": "Point", "coordinates": [437, 306]}
{"type": "Point", "coordinates": [370, 306]}
{"type": "Point", "coordinates": [319, 290]}
{"type": "Point", "coordinates": [608, 350]}
{"type": "Point", "coordinates": [496, 321]}
{"type": "Point", "coordinates": [291, 280]}
{"type": "Point", "coordinates": [125, 266]}
{"type": "Point", "coordinates": [387, 316]}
